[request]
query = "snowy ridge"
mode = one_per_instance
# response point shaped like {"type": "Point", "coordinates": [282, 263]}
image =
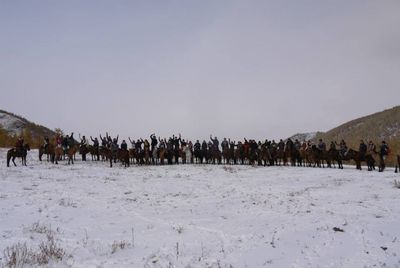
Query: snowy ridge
{"type": "Point", "coordinates": [304, 136]}
{"type": "Point", "coordinates": [202, 216]}
{"type": "Point", "coordinates": [16, 125]}
{"type": "Point", "coordinates": [12, 124]}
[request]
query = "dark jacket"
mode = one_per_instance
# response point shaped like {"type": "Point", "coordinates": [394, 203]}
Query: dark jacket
{"type": "Point", "coordinates": [124, 146]}
{"type": "Point", "coordinates": [384, 150]}
{"type": "Point", "coordinates": [363, 148]}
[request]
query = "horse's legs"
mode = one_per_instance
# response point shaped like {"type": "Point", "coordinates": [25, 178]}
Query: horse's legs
{"type": "Point", "coordinates": [13, 160]}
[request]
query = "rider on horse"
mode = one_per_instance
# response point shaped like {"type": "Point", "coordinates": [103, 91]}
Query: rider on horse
{"type": "Point", "coordinates": [19, 145]}
{"type": "Point", "coordinates": [124, 145]}
{"type": "Point", "coordinates": [322, 145]}
{"type": "Point", "coordinates": [58, 140]}
{"type": "Point", "coordinates": [215, 143]}
{"type": "Point", "coordinates": [383, 153]}
{"type": "Point", "coordinates": [343, 148]}
{"type": "Point", "coordinates": [154, 142]}
{"type": "Point", "coordinates": [46, 143]}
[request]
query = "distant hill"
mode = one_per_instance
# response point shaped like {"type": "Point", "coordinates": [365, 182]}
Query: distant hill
{"type": "Point", "coordinates": [304, 136]}
{"type": "Point", "coordinates": [379, 126]}
{"type": "Point", "coordinates": [11, 126]}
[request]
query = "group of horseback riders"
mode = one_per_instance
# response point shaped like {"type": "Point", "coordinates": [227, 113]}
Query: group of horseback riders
{"type": "Point", "coordinates": [155, 150]}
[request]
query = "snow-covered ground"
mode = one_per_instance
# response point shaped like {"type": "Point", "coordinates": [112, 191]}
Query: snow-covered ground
{"type": "Point", "coordinates": [202, 216]}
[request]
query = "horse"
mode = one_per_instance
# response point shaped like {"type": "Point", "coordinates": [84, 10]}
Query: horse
{"type": "Point", "coordinates": [280, 157]}
{"type": "Point", "coordinates": [382, 164]}
{"type": "Point", "coordinates": [83, 150]}
{"type": "Point", "coordinates": [13, 153]}
{"type": "Point", "coordinates": [107, 153]}
{"type": "Point", "coordinates": [123, 156]}
{"type": "Point", "coordinates": [161, 155]}
{"type": "Point", "coordinates": [253, 155]}
{"type": "Point", "coordinates": [204, 155]}
{"type": "Point", "coordinates": [357, 157]}
{"type": "Point", "coordinates": [132, 155]}
{"type": "Point", "coordinates": [303, 161]}
{"type": "Point", "coordinates": [215, 156]}
{"type": "Point", "coordinates": [154, 155]}
{"type": "Point", "coordinates": [226, 154]}
{"type": "Point", "coordinates": [186, 155]}
{"type": "Point", "coordinates": [334, 155]}
{"type": "Point", "coordinates": [94, 152]}
{"type": "Point", "coordinates": [146, 155]}
{"type": "Point", "coordinates": [288, 154]}
{"type": "Point", "coordinates": [264, 156]}
{"type": "Point", "coordinates": [71, 152]}
{"type": "Point", "coordinates": [56, 155]}
{"type": "Point", "coordinates": [198, 156]}
{"type": "Point", "coordinates": [44, 150]}
{"type": "Point", "coordinates": [316, 156]}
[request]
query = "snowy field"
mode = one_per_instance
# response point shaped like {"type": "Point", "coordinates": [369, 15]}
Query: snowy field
{"type": "Point", "coordinates": [201, 216]}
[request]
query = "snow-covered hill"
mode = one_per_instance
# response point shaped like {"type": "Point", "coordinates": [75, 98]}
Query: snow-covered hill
{"type": "Point", "coordinates": [16, 125]}
{"type": "Point", "coordinates": [304, 136]}
{"type": "Point", "coordinates": [12, 124]}
{"type": "Point", "coordinates": [200, 216]}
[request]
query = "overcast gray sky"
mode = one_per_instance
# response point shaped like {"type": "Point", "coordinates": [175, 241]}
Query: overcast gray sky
{"type": "Point", "coordinates": [260, 69]}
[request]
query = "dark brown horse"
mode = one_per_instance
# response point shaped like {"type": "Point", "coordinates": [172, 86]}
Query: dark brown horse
{"type": "Point", "coordinates": [13, 153]}
{"type": "Point", "coordinates": [358, 158]}
{"type": "Point", "coordinates": [198, 156]}
{"type": "Point", "coordinates": [238, 154]}
{"type": "Point", "coordinates": [94, 152]}
{"type": "Point", "coordinates": [333, 155]}
{"type": "Point", "coordinates": [45, 150]}
{"type": "Point", "coordinates": [123, 156]}
{"type": "Point", "coordinates": [228, 156]}
{"type": "Point", "coordinates": [316, 156]}
{"type": "Point", "coordinates": [132, 155]}
{"type": "Point", "coordinates": [264, 156]}
{"type": "Point", "coordinates": [216, 156]}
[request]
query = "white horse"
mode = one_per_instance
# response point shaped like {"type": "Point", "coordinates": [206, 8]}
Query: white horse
{"type": "Point", "coordinates": [187, 154]}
